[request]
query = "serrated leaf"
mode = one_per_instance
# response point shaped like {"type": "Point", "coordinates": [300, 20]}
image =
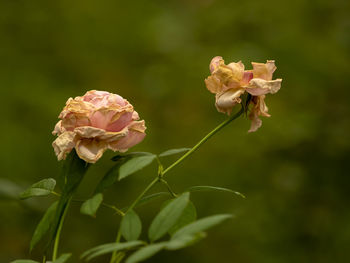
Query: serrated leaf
{"type": "Point", "coordinates": [44, 225]}
{"type": "Point", "coordinates": [173, 151]}
{"type": "Point", "coordinates": [145, 252]}
{"type": "Point", "coordinates": [152, 197]}
{"type": "Point", "coordinates": [24, 261]}
{"type": "Point", "coordinates": [202, 188]}
{"type": "Point", "coordinates": [63, 258]}
{"type": "Point", "coordinates": [201, 225]}
{"type": "Point", "coordinates": [90, 206]}
{"type": "Point", "coordinates": [41, 188]}
{"type": "Point", "coordinates": [184, 241]}
{"type": "Point", "coordinates": [131, 226]}
{"type": "Point", "coordinates": [109, 248]}
{"type": "Point", "coordinates": [188, 216]}
{"type": "Point", "coordinates": [134, 164]}
{"type": "Point", "coordinates": [167, 217]}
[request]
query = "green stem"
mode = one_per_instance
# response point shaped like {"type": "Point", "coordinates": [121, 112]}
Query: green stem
{"type": "Point", "coordinates": [207, 137]}
{"type": "Point", "coordinates": [168, 187]}
{"type": "Point", "coordinates": [162, 172]}
{"type": "Point", "coordinates": [117, 240]}
{"type": "Point", "coordinates": [118, 211]}
{"type": "Point", "coordinates": [155, 180]}
{"type": "Point", "coordinates": [57, 238]}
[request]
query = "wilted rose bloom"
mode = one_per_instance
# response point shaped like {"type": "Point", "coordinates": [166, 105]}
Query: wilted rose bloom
{"type": "Point", "coordinates": [230, 81]}
{"type": "Point", "coordinates": [95, 122]}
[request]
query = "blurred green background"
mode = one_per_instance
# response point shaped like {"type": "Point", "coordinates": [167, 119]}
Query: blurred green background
{"type": "Point", "coordinates": [294, 170]}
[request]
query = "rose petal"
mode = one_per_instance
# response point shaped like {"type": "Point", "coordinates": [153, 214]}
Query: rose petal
{"type": "Point", "coordinates": [264, 70]}
{"type": "Point", "coordinates": [256, 122]}
{"type": "Point", "coordinates": [237, 70]}
{"type": "Point", "coordinates": [76, 106]}
{"type": "Point", "coordinates": [229, 75]}
{"type": "Point", "coordinates": [259, 87]}
{"type": "Point", "coordinates": [136, 133]}
{"type": "Point", "coordinates": [213, 84]}
{"type": "Point", "coordinates": [89, 132]}
{"type": "Point", "coordinates": [116, 99]}
{"type": "Point", "coordinates": [227, 100]}
{"type": "Point", "coordinates": [215, 63]}
{"type": "Point", "coordinates": [64, 144]}
{"type": "Point", "coordinates": [90, 150]}
{"type": "Point", "coordinates": [262, 108]}
{"type": "Point", "coordinates": [135, 116]}
{"type": "Point", "coordinates": [259, 109]}
{"type": "Point", "coordinates": [58, 128]}
{"type": "Point", "coordinates": [247, 76]}
{"type": "Point", "coordinates": [101, 118]}
{"type": "Point", "coordinates": [119, 121]}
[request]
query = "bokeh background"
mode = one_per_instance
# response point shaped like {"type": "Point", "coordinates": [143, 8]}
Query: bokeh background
{"type": "Point", "coordinates": [294, 170]}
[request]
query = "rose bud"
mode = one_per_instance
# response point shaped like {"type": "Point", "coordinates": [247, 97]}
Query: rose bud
{"type": "Point", "coordinates": [95, 122]}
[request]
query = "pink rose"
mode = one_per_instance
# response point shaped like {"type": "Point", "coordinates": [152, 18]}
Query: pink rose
{"type": "Point", "coordinates": [95, 122]}
{"type": "Point", "coordinates": [229, 82]}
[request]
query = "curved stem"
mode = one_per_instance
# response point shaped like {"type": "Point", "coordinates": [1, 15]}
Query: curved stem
{"type": "Point", "coordinates": [168, 187]}
{"type": "Point", "coordinates": [118, 211]}
{"type": "Point", "coordinates": [155, 180]}
{"type": "Point", "coordinates": [162, 172]}
{"type": "Point", "coordinates": [57, 238]}
{"type": "Point", "coordinates": [207, 137]}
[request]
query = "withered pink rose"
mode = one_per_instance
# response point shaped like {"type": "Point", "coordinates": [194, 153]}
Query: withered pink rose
{"type": "Point", "coordinates": [95, 122]}
{"type": "Point", "coordinates": [229, 82]}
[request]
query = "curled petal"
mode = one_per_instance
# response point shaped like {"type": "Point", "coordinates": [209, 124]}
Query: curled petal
{"type": "Point", "coordinates": [230, 75]}
{"type": "Point", "coordinates": [92, 94]}
{"type": "Point", "coordinates": [103, 99]}
{"type": "Point", "coordinates": [58, 128]}
{"type": "Point", "coordinates": [247, 76]}
{"type": "Point", "coordinates": [256, 122]}
{"type": "Point", "coordinates": [90, 150]}
{"type": "Point", "coordinates": [77, 107]}
{"type": "Point", "coordinates": [227, 100]}
{"type": "Point", "coordinates": [213, 84]}
{"type": "Point", "coordinates": [74, 120]}
{"type": "Point", "coordinates": [264, 70]}
{"type": "Point", "coordinates": [89, 132]}
{"type": "Point", "coordinates": [259, 87]}
{"type": "Point", "coordinates": [259, 109]}
{"type": "Point", "coordinates": [237, 70]}
{"type": "Point", "coordinates": [113, 118]}
{"type": "Point", "coordinates": [215, 63]}
{"type": "Point", "coordinates": [64, 144]}
{"type": "Point", "coordinates": [135, 116]}
{"type": "Point", "coordinates": [136, 133]}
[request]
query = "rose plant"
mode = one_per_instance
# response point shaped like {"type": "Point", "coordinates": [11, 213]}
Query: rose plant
{"type": "Point", "coordinates": [99, 120]}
